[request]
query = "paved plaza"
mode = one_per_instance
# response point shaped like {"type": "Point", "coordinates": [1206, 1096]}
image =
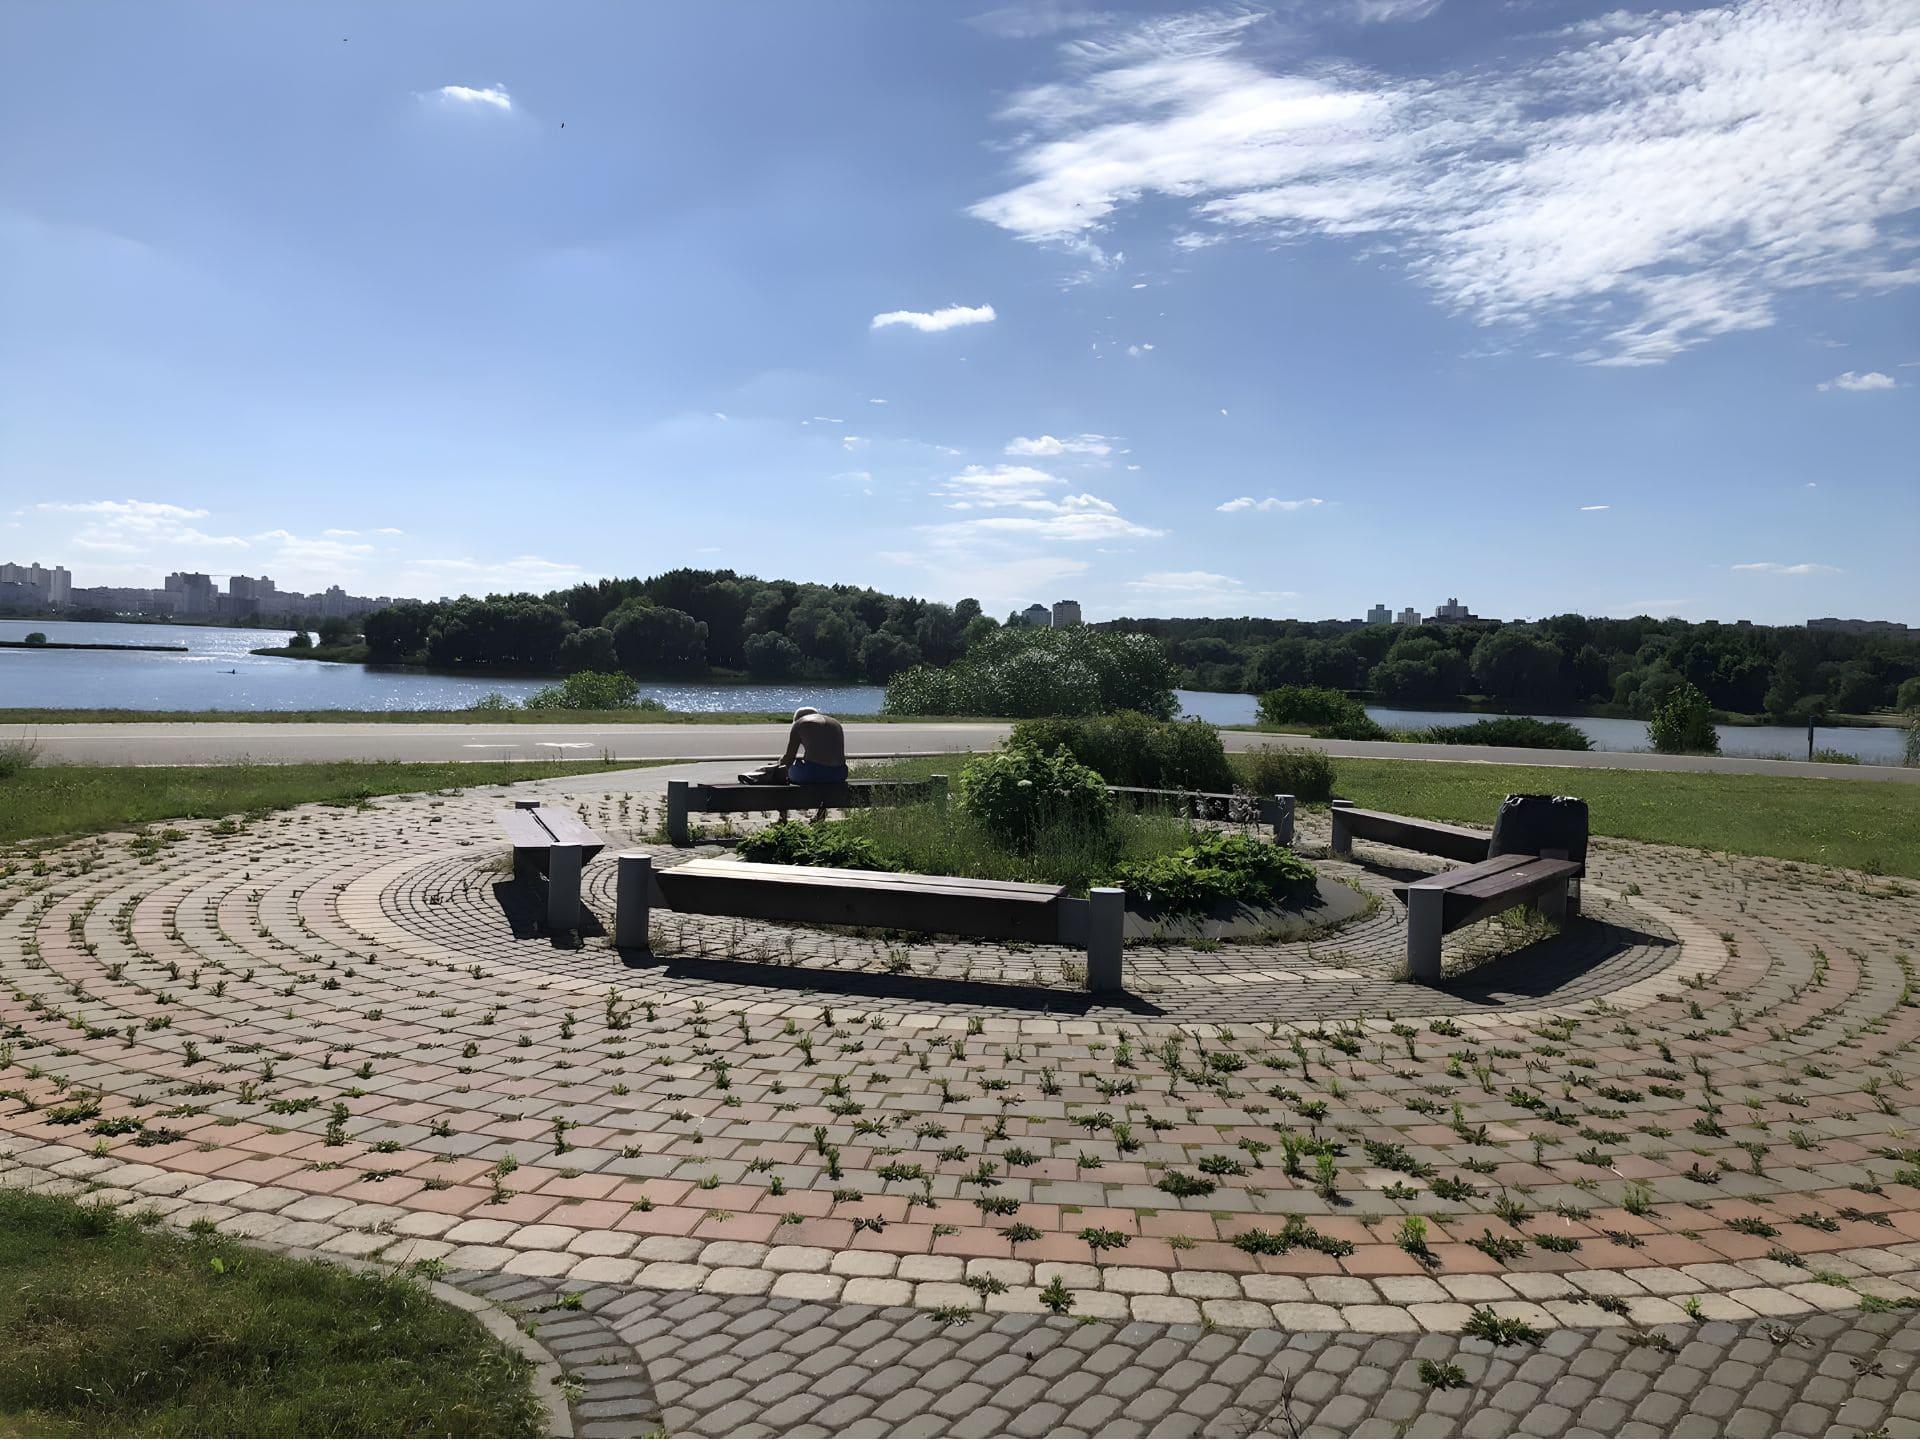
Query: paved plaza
{"type": "Point", "coordinates": [1656, 1175]}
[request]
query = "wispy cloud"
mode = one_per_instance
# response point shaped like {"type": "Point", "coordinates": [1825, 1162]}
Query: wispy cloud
{"type": "Point", "coordinates": [933, 321]}
{"type": "Point", "coordinates": [1590, 508]}
{"type": "Point", "coordinates": [1247, 502]}
{"type": "Point", "coordinates": [1048, 445]}
{"type": "Point", "coordinates": [1654, 186]}
{"type": "Point", "coordinates": [1871, 380]}
{"type": "Point", "coordinates": [493, 95]}
{"type": "Point", "coordinates": [1037, 19]}
{"type": "Point", "coordinates": [1197, 591]}
{"type": "Point", "coordinates": [140, 527]}
{"type": "Point", "coordinates": [1775, 567]}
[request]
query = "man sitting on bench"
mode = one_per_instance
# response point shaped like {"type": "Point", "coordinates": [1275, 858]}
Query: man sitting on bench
{"type": "Point", "coordinates": [816, 753]}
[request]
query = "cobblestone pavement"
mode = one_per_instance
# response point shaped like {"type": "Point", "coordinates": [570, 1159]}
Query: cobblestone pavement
{"type": "Point", "coordinates": [1685, 1122]}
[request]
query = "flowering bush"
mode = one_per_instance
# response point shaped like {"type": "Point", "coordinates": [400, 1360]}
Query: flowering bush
{"type": "Point", "coordinates": [1021, 672]}
{"type": "Point", "coordinates": [1021, 793]}
{"type": "Point", "coordinates": [1216, 867]}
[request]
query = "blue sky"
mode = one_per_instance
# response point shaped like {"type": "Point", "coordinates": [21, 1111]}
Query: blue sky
{"type": "Point", "coordinates": [1276, 310]}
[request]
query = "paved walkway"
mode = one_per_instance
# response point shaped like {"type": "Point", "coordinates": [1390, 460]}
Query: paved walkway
{"type": "Point", "coordinates": [1676, 1138]}
{"type": "Point", "coordinates": [223, 743]}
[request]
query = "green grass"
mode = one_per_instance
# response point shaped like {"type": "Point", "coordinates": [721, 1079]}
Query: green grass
{"type": "Point", "coordinates": [61, 800]}
{"type": "Point", "coordinates": [1871, 825]}
{"type": "Point", "coordinates": [112, 1328]}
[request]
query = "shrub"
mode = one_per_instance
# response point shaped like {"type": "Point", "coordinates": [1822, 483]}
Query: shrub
{"type": "Point", "coordinates": [1330, 714]}
{"type": "Point", "coordinates": [1021, 672]}
{"type": "Point", "coordinates": [1682, 724]}
{"type": "Point", "coordinates": [1307, 775]}
{"type": "Point", "coordinates": [1132, 749]}
{"type": "Point", "coordinates": [1018, 793]}
{"type": "Point", "coordinates": [592, 690]}
{"type": "Point", "coordinates": [301, 641]}
{"type": "Point", "coordinates": [17, 756]}
{"type": "Point", "coordinates": [1521, 730]}
{"type": "Point", "coordinates": [36, 637]}
{"type": "Point", "coordinates": [1216, 867]}
{"type": "Point", "coordinates": [791, 842]}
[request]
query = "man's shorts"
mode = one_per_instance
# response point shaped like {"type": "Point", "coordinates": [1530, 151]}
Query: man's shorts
{"type": "Point", "coordinates": [805, 772]}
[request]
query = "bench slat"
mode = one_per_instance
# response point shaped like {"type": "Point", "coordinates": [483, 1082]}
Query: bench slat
{"type": "Point", "coordinates": [734, 799]}
{"type": "Point", "coordinates": [1430, 837]}
{"type": "Point", "coordinates": [786, 874]}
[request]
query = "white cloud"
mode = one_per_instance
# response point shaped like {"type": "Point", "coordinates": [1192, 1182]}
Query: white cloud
{"type": "Point", "coordinates": [1048, 445]}
{"type": "Point", "coordinates": [1037, 19]}
{"type": "Point", "coordinates": [1775, 567]}
{"type": "Point", "coordinates": [876, 401]}
{"type": "Point", "coordinates": [1654, 186]}
{"type": "Point", "coordinates": [1872, 380]}
{"type": "Point", "coordinates": [493, 95]}
{"type": "Point", "coordinates": [1596, 507]}
{"type": "Point", "coordinates": [1247, 502]}
{"type": "Point", "coordinates": [1136, 351]}
{"type": "Point", "coordinates": [853, 442]}
{"type": "Point", "coordinates": [1195, 591]}
{"type": "Point", "coordinates": [932, 321]}
{"type": "Point", "coordinates": [1376, 12]}
{"type": "Point", "coordinates": [388, 530]}
{"type": "Point", "coordinates": [720, 415]}
{"type": "Point", "coordinates": [339, 534]}
{"type": "Point", "coordinates": [141, 527]}
{"type": "Point", "coordinates": [981, 486]}
{"type": "Point", "coordinates": [1072, 518]}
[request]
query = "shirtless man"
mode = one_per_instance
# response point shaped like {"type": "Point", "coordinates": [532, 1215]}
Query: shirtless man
{"type": "Point", "coordinates": [816, 749]}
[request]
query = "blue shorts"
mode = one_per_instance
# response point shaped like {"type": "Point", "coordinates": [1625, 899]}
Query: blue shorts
{"type": "Point", "coordinates": [805, 772]}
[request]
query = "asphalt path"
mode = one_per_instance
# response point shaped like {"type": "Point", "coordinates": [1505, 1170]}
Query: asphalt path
{"type": "Point", "coordinates": [216, 743]}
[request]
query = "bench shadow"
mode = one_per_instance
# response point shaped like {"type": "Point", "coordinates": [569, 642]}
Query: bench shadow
{"type": "Point", "coordinates": [1539, 971]}
{"type": "Point", "coordinates": [523, 905]}
{"type": "Point", "coordinates": [871, 985]}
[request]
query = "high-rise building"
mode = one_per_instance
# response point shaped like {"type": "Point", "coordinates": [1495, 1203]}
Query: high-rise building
{"type": "Point", "coordinates": [192, 592]}
{"type": "Point", "coordinates": [1037, 615]}
{"type": "Point", "coordinates": [1379, 615]}
{"type": "Point", "coordinates": [1065, 613]}
{"type": "Point", "coordinates": [1408, 616]}
{"type": "Point", "coordinates": [1893, 628]}
{"type": "Point", "coordinates": [1452, 613]}
{"type": "Point", "coordinates": [39, 584]}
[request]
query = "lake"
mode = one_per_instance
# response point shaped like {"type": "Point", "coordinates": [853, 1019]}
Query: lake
{"type": "Point", "coordinates": [219, 673]}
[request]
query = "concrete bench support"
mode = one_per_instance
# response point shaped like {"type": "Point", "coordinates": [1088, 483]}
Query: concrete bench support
{"type": "Point", "coordinates": [563, 888]}
{"type": "Point", "coordinates": [1426, 910]}
{"type": "Point", "coordinates": [1106, 926]}
{"type": "Point", "coordinates": [686, 799]}
{"type": "Point", "coordinates": [633, 902]}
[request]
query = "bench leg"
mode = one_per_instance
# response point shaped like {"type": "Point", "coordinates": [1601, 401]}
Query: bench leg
{"type": "Point", "coordinates": [563, 889]}
{"type": "Point", "coordinates": [1424, 916]}
{"type": "Point", "coordinates": [1342, 844]}
{"type": "Point", "coordinates": [633, 895]}
{"type": "Point", "coordinates": [1281, 807]}
{"type": "Point", "coordinates": [937, 784]}
{"type": "Point", "coordinates": [1106, 929]}
{"type": "Point", "coordinates": [1567, 903]}
{"type": "Point", "coordinates": [677, 811]}
{"type": "Point", "coordinates": [1553, 905]}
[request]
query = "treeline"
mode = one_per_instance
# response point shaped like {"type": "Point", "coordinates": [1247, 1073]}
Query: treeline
{"type": "Point", "coordinates": [1565, 661]}
{"type": "Point", "coordinates": [683, 622]}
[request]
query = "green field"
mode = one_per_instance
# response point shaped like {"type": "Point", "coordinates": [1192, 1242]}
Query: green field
{"type": "Point", "coordinates": [1871, 825]}
{"type": "Point", "coordinates": [60, 800]}
{"type": "Point", "coordinates": [110, 1327]}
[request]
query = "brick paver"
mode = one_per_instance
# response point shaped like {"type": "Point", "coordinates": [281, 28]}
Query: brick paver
{"type": "Point", "coordinates": [1681, 1125]}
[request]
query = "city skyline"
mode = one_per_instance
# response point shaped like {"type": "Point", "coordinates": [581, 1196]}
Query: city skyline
{"type": "Point", "coordinates": [1610, 303]}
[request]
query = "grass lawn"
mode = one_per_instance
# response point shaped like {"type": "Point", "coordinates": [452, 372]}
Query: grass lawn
{"type": "Point", "coordinates": [109, 1327]}
{"type": "Point", "coordinates": [1871, 825]}
{"type": "Point", "coordinates": [60, 800]}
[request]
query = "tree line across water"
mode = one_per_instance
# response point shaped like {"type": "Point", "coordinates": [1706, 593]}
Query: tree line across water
{"type": "Point", "coordinates": [948, 658]}
{"type": "Point", "coordinates": [1564, 662]}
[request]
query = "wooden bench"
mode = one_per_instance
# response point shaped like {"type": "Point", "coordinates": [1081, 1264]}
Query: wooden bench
{"type": "Point", "coordinates": [685, 798]}
{"type": "Point", "coordinates": [551, 844]}
{"type": "Point", "coordinates": [934, 904]}
{"type": "Point", "coordinates": [1429, 837]}
{"type": "Point", "coordinates": [1453, 898]}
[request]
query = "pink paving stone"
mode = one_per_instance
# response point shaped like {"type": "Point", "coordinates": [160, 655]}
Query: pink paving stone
{"type": "Point", "coordinates": [828, 1234]}
{"type": "Point", "coordinates": [799, 1202]}
{"type": "Point", "coordinates": [1101, 1217]}
{"type": "Point", "coordinates": [200, 1162]}
{"type": "Point", "coordinates": [271, 1144]}
{"type": "Point", "coordinates": [897, 1240]}
{"type": "Point", "coordinates": [385, 1192]}
{"type": "Point", "coordinates": [583, 1187]}
{"type": "Point", "coordinates": [263, 1171]}
{"type": "Point", "coordinates": [727, 1197]}
{"type": "Point", "coordinates": [1298, 1262]}
{"type": "Point", "coordinates": [660, 1192]}
{"type": "Point", "coordinates": [756, 1229]}
{"type": "Point", "coordinates": [1382, 1260]}
{"type": "Point", "coordinates": [661, 1220]}
{"type": "Point", "coordinates": [1151, 1253]}
{"type": "Point", "coordinates": [974, 1241]}
{"type": "Point", "coordinates": [456, 1200]}
{"type": "Point", "coordinates": [1735, 1245]}
{"type": "Point", "coordinates": [321, 1182]}
{"type": "Point", "coordinates": [590, 1214]}
{"type": "Point", "coordinates": [523, 1209]}
{"type": "Point", "coordinates": [1059, 1248]}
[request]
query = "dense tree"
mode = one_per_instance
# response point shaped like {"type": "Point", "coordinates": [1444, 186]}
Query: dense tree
{"type": "Point", "coordinates": [518, 631]}
{"type": "Point", "coordinates": [884, 655]}
{"type": "Point", "coordinates": [398, 632]}
{"type": "Point", "coordinates": [653, 638]}
{"type": "Point", "coordinates": [771, 656]}
{"type": "Point", "coordinates": [1514, 663]}
{"type": "Point", "coordinates": [590, 649]}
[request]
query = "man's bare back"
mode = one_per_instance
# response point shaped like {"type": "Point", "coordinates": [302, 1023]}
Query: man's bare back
{"type": "Point", "coordinates": [816, 748]}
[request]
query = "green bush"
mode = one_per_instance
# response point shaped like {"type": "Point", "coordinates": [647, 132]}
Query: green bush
{"type": "Point", "coordinates": [1132, 749]}
{"type": "Point", "coordinates": [1330, 714]}
{"type": "Point", "coordinates": [1216, 867]}
{"type": "Point", "coordinates": [1521, 730]}
{"type": "Point", "coordinates": [1019, 672]}
{"type": "Point", "coordinates": [792, 842]}
{"type": "Point", "coordinates": [592, 690]}
{"type": "Point", "coordinates": [1018, 793]}
{"type": "Point", "coordinates": [36, 637]}
{"type": "Point", "coordinates": [1307, 775]}
{"type": "Point", "coordinates": [1682, 724]}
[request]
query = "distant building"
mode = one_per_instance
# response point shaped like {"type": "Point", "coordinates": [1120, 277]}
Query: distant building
{"type": "Point", "coordinates": [37, 584]}
{"type": "Point", "coordinates": [1452, 613]}
{"type": "Point", "coordinates": [1037, 615]}
{"type": "Point", "coordinates": [1408, 616]}
{"type": "Point", "coordinates": [1065, 613]}
{"type": "Point", "coordinates": [1891, 628]}
{"type": "Point", "coordinates": [1379, 615]}
{"type": "Point", "coordinates": [192, 592]}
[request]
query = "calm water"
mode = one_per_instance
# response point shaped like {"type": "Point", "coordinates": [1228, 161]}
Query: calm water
{"type": "Point", "coordinates": [218, 673]}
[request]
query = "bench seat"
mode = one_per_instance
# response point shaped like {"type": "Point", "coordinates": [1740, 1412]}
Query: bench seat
{"type": "Point", "coordinates": [686, 798]}
{"type": "Point", "coordinates": [553, 844]}
{"type": "Point", "coordinates": [1429, 837]}
{"type": "Point", "coordinates": [1445, 902]}
{"type": "Point", "coordinates": [819, 895]}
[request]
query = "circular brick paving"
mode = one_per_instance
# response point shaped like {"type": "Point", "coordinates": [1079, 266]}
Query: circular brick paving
{"type": "Point", "coordinates": [332, 1031]}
